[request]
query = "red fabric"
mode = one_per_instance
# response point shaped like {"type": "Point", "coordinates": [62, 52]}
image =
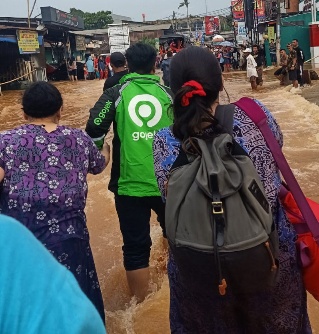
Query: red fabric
{"type": "Point", "coordinates": [310, 273]}
{"type": "Point", "coordinates": [198, 90]}
{"type": "Point", "coordinates": [306, 245]}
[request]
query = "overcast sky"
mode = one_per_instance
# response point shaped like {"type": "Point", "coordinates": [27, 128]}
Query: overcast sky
{"type": "Point", "coordinates": [153, 9]}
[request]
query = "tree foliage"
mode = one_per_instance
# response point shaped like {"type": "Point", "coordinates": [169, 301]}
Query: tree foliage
{"type": "Point", "coordinates": [184, 3]}
{"type": "Point", "coordinates": [98, 20]}
{"type": "Point", "coordinates": [226, 22]}
{"type": "Point", "coordinates": [150, 41]}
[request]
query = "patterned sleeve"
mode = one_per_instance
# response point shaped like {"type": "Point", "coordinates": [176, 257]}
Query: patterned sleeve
{"type": "Point", "coordinates": [96, 160]}
{"type": "Point", "coordinates": [165, 151]}
{"type": "Point", "coordinates": [2, 152]}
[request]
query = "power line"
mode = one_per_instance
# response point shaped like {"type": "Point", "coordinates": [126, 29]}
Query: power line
{"type": "Point", "coordinates": [222, 12]}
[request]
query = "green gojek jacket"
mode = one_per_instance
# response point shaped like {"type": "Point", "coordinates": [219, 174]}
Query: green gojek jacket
{"type": "Point", "coordinates": [138, 107]}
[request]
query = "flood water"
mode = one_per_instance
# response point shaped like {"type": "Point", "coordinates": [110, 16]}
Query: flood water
{"type": "Point", "coordinates": [299, 121]}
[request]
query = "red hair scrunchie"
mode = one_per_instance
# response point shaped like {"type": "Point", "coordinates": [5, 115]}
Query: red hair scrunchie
{"type": "Point", "coordinates": [198, 90]}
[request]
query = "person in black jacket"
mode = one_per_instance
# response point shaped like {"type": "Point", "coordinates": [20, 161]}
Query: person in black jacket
{"type": "Point", "coordinates": [300, 60]}
{"type": "Point", "coordinates": [118, 64]}
{"type": "Point", "coordinates": [259, 60]}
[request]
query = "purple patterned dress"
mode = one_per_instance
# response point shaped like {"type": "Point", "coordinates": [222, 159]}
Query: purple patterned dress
{"type": "Point", "coordinates": [284, 311]}
{"type": "Point", "coordinates": [45, 188]}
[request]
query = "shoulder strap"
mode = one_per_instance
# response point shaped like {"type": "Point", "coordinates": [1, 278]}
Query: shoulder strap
{"type": "Point", "coordinates": [225, 116]}
{"type": "Point", "coordinates": [257, 115]}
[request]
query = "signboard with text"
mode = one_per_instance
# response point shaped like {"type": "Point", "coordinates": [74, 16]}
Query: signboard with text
{"type": "Point", "coordinates": [55, 16]}
{"type": "Point", "coordinates": [80, 43]}
{"type": "Point", "coordinates": [115, 30]}
{"type": "Point", "coordinates": [242, 34]}
{"type": "Point", "coordinates": [28, 41]}
{"type": "Point", "coordinates": [119, 37]}
{"type": "Point", "coordinates": [118, 40]}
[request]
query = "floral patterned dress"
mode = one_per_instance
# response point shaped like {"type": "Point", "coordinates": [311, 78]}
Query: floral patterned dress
{"type": "Point", "coordinates": [282, 312]}
{"type": "Point", "coordinates": [45, 188]}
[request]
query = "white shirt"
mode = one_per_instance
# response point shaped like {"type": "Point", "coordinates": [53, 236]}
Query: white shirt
{"type": "Point", "coordinates": [251, 67]}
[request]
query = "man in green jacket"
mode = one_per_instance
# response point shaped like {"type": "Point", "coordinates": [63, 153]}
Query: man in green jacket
{"type": "Point", "coordinates": [138, 108]}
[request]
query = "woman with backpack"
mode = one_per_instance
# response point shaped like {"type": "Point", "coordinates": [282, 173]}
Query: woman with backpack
{"type": "Point", "coordinates": [197, 305]}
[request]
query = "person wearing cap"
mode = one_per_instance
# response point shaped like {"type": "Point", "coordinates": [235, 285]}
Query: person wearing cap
{"type": "Point", "coordinates": [138, 108]}
{"type": "Point", "coordinates": [118, 65]}
{"type": "Point", "coordinates": [251, 68]}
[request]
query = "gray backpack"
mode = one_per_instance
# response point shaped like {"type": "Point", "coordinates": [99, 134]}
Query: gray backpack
{"type": "Point", "coordinates": [218, 221]}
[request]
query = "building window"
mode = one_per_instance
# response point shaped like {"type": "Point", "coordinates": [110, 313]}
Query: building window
{"type": "Point", "coordinates": [287, 4]}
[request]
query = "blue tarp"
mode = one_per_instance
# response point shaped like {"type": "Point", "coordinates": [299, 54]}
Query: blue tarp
{"type": "Point", "coordinates": [9, 39]}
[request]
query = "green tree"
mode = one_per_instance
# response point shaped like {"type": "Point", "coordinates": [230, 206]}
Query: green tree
{"type": "Point", "coordinates": [98, 20]}
{"type": "Point", "coordinates": [150, 41]}
{"type": "Point", "coordinates": [226, 23]}
{"type": "Point", "coordinates": [185, 3]}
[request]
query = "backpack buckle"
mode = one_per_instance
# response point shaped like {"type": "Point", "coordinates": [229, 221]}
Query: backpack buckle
{"type": "Point", "coordinates": [217, 208]}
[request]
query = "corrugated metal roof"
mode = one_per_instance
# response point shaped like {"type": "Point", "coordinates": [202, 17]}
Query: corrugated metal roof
{"type": "Point", "coordinates": [132, 27]}
{"type": "Point", "coordinates": [3, 27]}
{"type": "Point", "coordinates": [150, 27]}
{"type": "Point", "coordinates": [90, 32]}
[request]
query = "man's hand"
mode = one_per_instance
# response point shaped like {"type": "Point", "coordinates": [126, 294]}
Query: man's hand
{"type": "Point", "coordinates": [106, 152]}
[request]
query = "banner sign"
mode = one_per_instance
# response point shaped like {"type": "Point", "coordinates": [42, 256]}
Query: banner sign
{"type": "Point", "coordinates": [239, 13]}
{"type": "Point", "coordinates": [28, 41]}
{"type": "Point", "coordinates": [271, 33]}
{"type": "Point", "coordinates": [260, 7]}
{"type": "Point", "coordinates": [241, 35]}
{"type": "Point", "coordinates": [211, 25]}
{"type": "Point", "coordinates": [238, 10]}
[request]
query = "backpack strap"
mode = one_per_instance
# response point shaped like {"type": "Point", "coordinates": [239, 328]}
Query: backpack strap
{"type": "Point", "coordinates": [258, 116]}
{"type": "Point", "coordinates": [225, 116]}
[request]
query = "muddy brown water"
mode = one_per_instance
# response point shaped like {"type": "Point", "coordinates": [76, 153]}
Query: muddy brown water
{"type": "Point", "coordinates": [299, 121]}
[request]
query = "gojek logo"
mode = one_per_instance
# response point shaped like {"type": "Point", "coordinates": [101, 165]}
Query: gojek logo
{"type": "Point", "coordinates": [140, 110]}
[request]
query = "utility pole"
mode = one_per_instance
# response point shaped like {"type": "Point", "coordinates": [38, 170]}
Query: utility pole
{"type": "Point", "coordinates": [206, 6]}
{"type": "Point", "coordinates": [313, 11]}
{"type": "Point", "coordinates": [174, 21]}
{"type": "Point", "coordinates": [28, 4]}
{"type": "Point", "coordinates": [278, 23]}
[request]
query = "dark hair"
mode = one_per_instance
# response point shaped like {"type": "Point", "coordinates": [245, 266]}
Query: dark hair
{"type": "Point", "coordinates": [141, 58]}
{"type": "Point", "coordinates": [169, 53]}
{"type": "Point", "coordinates": [206, 71]}
{"type": "Point", "coordinates": [41, 100]}
{"type": "Point", "coordinates": [295, 39]}
{"type": "Point", "coordinates": [282, 49]}
{"type": "Point", "coordinates": [72, 59]}
{"type": "Point", "coordinates": [256, 46]}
